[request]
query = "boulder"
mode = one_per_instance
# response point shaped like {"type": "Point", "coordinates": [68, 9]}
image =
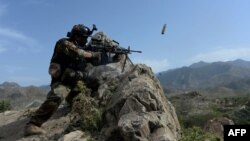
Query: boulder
{"type": "Point", "coordinates": [215, 125]}
{"type": "Point", "coordinates": [73, 136]}
{"type": "Point", "coordinates": [139, 110]}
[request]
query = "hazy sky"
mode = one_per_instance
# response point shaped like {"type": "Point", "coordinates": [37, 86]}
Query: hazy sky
{"type": "Point", "coordinates": [207, 30]}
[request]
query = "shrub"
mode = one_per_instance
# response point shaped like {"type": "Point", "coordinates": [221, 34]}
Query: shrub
{"type": "Point", "coordinates": [90, 114]}
{"type": "Point", "coordinates": [4, 105]}
{"type": "Point", "coordinates": [196, 120]}
{"type": "Point", "coordinates": [197, 134]}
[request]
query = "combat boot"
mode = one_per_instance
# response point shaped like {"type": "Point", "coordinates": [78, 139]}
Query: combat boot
{"type": "Point", "coordinates": [31, 129]}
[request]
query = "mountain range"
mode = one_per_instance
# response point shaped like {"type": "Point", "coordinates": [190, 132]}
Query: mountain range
{"type": "Point", "coordinates": [19, 96]}
{"type": "Point", "coordinates": [230, 77]}
{"type": "Point", "coordinates": [218, 78]}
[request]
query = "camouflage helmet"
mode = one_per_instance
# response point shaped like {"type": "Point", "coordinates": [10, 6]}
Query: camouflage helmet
{"type": "Point", "coordinates": [79, 29]}
{"type": "Point", "coordinates": [100, 38]}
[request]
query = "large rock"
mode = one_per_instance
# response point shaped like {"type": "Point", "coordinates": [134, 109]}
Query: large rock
{"type": "Point", "coordinates": [138, 109]}
{"type": "Point", "coordinates": [73, 136]}
{"type": "Point", "coordinates": [215, 125]}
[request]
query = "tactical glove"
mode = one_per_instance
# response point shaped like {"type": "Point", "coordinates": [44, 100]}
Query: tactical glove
{"type": "Point", "coordinates": [96, 55]}
{"type": "Point", "coordinates": [96, 58]}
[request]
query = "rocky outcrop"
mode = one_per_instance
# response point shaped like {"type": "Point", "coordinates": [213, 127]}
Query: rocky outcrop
{"type": "Point", "coordinates": [215, 125]}
{"type": "Point", "coordinates": [126, 106]}
{"type": "Point", "coordinates": [138, 109]}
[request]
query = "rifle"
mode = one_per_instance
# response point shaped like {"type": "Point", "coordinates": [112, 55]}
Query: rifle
{"type": "Point", "coordinates": [111, 47]}
{"type": "Point", "coordinates": [114, 49]}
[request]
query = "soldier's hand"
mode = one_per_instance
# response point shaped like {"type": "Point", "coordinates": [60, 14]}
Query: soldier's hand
{"type": "Point", "coordinates": [80, 75]}
{"type": "Point", "coordinates": [83, 53]}
{"type": "Point", "coordinates": [97, 56]}
{"type": "Point", "coordinates": [87, 54]}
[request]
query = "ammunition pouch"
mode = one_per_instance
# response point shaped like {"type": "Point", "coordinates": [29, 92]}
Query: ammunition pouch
{"type": "Point", "coordinates": [71, 76]}
{"type": "Point", "coordinates": [92, 83]}
{"type": "Point", "coordinates": [55, 70]}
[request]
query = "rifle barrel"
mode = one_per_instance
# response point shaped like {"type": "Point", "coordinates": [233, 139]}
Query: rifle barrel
{"type": "Point", "coordinates": [135, 51]}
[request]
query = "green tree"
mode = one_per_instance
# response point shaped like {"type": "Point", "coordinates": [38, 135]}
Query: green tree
{"type": "Point", "coordinates": [4, 105]}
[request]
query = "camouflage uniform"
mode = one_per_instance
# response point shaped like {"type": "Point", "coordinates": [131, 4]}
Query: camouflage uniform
{"type": "Point", "coordinates": [64, 85]}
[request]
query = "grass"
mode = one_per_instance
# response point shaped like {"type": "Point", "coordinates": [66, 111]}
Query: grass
{"type": "Point", "coordinates": [197, 134]}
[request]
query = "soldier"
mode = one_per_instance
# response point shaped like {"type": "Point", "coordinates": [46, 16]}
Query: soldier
{"type": "Point", "coordinates": [67, 69]}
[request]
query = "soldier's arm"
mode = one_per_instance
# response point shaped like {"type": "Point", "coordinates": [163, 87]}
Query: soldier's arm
{"type": "Point", "coordinates": [71, 50]}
